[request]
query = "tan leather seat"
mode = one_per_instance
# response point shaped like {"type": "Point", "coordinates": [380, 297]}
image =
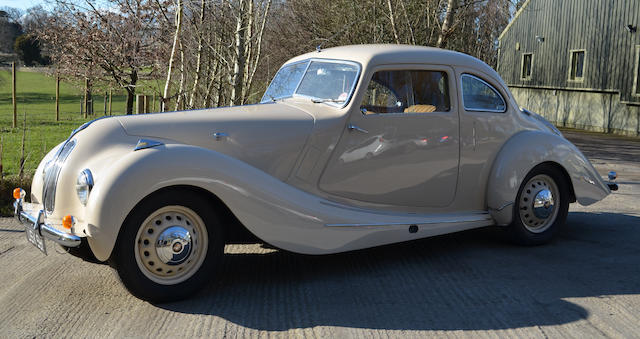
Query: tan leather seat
{"type": "Point", "coordinates": [420, 109]}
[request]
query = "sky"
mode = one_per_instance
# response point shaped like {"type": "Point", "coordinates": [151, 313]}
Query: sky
{"type": "Point", "coordinates": [22, 4]}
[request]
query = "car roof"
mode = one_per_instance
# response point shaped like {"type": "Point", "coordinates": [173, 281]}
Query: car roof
{"type": "Point", "coordinates": [381, 54]}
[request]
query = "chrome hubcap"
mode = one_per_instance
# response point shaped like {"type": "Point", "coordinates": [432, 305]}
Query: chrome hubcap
{"type": "Point", "coordinates": [171, 245]}
{"type": "Point", "coordinates": [174, 245]}
{"type": "Point", "coordinates": [543, 204]}
{"type": "Point", "coordinates": [537, 205]}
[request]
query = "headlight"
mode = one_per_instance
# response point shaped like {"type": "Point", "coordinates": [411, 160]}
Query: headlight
{"type": "Point", "coordinates": [84, 184]}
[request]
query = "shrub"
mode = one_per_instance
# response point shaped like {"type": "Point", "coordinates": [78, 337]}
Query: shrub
{"type": "Point", "coordinates": [7, 185]}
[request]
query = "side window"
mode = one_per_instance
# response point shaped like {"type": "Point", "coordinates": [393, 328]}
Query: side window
{"type": "Point", "coordinates": [407, 91]}
{"type": "Point", "coordinates": [478, 95]}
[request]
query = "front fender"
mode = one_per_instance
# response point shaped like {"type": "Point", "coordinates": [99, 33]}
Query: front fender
{"type": "Point", "coordinates": [140, 173]}
{"type": "Point", "coordinates": [527, 149]}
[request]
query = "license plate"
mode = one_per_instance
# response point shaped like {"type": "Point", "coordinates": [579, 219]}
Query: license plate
{"type": "Point", "coordinates": [35, 238]}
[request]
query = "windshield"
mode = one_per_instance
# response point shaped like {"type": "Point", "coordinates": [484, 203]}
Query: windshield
{"type": "Point", "coordinates": [321, 81]}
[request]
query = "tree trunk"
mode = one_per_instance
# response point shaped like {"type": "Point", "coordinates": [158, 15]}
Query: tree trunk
{"type": "Point", "coordinates": [448, 22]}
{"type": "Point", "coordinates": [131, 91]}
{"type": "Point", "coordinates": [393, 22]}
{"type": "Point", "coordinates": [239, 57]}
{"type": "Point", "coordinates": [180, 95]}
{"type": "Point", "coordinates": [196, 78]}
{"type": "Point", "coordinates": [406, 19]}
{"type": "Point", "coordinates": [176, 37]}
{"type": "Point", "coordinates": [258, 52]}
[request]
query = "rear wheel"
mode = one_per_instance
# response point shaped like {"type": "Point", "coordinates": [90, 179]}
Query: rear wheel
{"type": "Point", "coordinates": [541, 206]}
{"type": "Point", "coordinates": [169, 246]}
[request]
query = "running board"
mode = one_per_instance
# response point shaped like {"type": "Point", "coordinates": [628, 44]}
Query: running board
{"type": "Point", "coordinates": [476, 217]}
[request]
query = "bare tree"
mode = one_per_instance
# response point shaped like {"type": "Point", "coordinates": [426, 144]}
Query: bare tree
{"type": "Point", "coordinates": [452, 6]}
{"type": "Point", "coordinates": [118, 43]}
{"type": "Point", "coordinates": [176, 43]}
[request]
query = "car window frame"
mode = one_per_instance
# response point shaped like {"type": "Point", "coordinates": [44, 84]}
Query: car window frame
{"type": "Point", "coordinates": [492, 87]}
{"type": "Point", "coordinates": [451, 83]}
{"type": "Point", "coordinates": [309, 61]}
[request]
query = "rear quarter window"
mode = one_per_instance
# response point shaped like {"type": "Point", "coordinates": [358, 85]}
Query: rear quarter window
{"type": "Point", "coordinates": [478, 95]}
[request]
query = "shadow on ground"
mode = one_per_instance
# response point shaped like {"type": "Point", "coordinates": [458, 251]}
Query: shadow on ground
{"type": "Point", "coordinates": [465, 281]}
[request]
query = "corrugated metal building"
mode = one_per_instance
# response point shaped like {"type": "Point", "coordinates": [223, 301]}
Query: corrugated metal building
{"type": "Point", "coordinates": [577, 62]}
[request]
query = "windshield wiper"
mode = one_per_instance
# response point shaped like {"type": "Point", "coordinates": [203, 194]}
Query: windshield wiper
{"type": "Point", "coordinates": [317, 101]}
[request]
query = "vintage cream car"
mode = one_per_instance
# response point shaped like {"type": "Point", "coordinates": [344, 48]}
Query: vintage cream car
{"type": "Point", "coordinates": [351, 147]}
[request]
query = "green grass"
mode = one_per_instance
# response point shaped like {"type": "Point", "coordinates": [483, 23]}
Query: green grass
{"type": "Point", "coordinates": [36, 97]}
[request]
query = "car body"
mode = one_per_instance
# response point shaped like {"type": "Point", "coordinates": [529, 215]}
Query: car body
{"type": "Point", "coordinates": [351, 147]}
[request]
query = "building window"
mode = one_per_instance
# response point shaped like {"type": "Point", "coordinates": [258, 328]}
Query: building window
{"type": "Point", "coordinates": [576, 70]}
{"type": "Point", "coordinates": [636, 83]}
{"type": "Point", "coordinates": [527, 64]}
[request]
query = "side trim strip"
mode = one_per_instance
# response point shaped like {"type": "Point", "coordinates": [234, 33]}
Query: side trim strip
{"type": "Point", "coordinates": [451, 220]}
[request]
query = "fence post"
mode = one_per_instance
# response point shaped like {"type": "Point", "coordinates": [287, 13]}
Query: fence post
{"type": "Point", "coordinates": [24, 136]}
{"type": "Point", "coordinates": [1, 146]}
{"type": "Point", "coordinates": [139, 104]}
{"type": "Point", "coordinates": [86, 97]}
{"type": "Point", "coordinates": [109, 100]}
{"type": "Point", "coordinates": [57, 98]}
{"type": "Point", "coordinates": [13, 94]}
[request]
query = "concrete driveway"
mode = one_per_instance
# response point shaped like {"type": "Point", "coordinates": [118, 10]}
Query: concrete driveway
{"type": "Point", "coordinates": [585, 284]}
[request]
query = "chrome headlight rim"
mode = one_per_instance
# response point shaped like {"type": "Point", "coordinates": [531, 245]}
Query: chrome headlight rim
{"type": "Point", "coordinates": [84, 185]}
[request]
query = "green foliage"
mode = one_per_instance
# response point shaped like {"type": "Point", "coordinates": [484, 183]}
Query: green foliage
{"type": "Point", "coordinates": [36, 97]}
{"type": "Point", "coordinates": [27, 47]}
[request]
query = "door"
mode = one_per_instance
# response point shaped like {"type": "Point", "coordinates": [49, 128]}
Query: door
{"type": "Point", "coordinates": [401, 144]}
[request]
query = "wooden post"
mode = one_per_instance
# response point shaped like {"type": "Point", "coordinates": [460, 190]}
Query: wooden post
{"type": "Point", "coordinates": [57, 98]}
{"type": "Point", "coordinates": [1, 145]}
{"type": "Point", "coordinates": [138, 104]}
{"type": "Point", "coordinates": [24, 135]}
{"type": "Point", "coordinates": [109, 100]}
{"type": "Point", "coordinates": [86, 97]}
{"type": "Point", "coordinates": [105, 103]}
{"type": "Point", "coordinates": [13, 94]}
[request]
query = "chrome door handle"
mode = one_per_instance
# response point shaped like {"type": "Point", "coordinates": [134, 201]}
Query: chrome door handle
{"type": "Point", "coordinates": [220, 135]}
{"type": "Point", "coordinates": [353, 127]}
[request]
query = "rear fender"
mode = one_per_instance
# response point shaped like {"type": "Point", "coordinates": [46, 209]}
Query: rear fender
{"type": "Point", "coordinates": [527, 149]}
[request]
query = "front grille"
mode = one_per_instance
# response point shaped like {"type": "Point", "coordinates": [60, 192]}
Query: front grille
{"type": "Point", "coordinates": [51, 174]}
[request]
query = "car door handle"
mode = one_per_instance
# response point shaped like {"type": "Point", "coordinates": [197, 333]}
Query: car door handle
{"type": "Point", "coordinates": [353, 127]}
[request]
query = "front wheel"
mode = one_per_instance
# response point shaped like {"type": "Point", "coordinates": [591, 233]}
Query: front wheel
{"type": "Point", "coordinates": [169, 246]}
{"type": "Point", "coordinates": [541, 206]}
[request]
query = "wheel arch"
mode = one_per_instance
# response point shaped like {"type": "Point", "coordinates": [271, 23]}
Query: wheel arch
{"type": "Point", "coordinates": [528, 149]}
{"type": "Point", "coordinates": [234, 230]}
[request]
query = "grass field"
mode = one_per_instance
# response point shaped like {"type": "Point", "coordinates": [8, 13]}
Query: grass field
{"type": "Point", "coordinates": [36, 97]}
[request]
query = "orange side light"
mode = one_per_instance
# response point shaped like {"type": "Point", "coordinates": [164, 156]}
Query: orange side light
{"type": "Point", "coordinates": [18, 193]}
{"type": "Point", "coordinates": [67, 221]}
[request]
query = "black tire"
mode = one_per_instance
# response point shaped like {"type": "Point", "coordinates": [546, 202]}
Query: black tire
{"type": "Point", "coordinates": [524, 228]}
{"type": "Point", "coordinates": [136, 274]}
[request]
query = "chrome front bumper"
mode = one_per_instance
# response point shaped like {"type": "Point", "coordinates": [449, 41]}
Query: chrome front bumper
{"type": "Point", "coordinates": [36, 221]}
